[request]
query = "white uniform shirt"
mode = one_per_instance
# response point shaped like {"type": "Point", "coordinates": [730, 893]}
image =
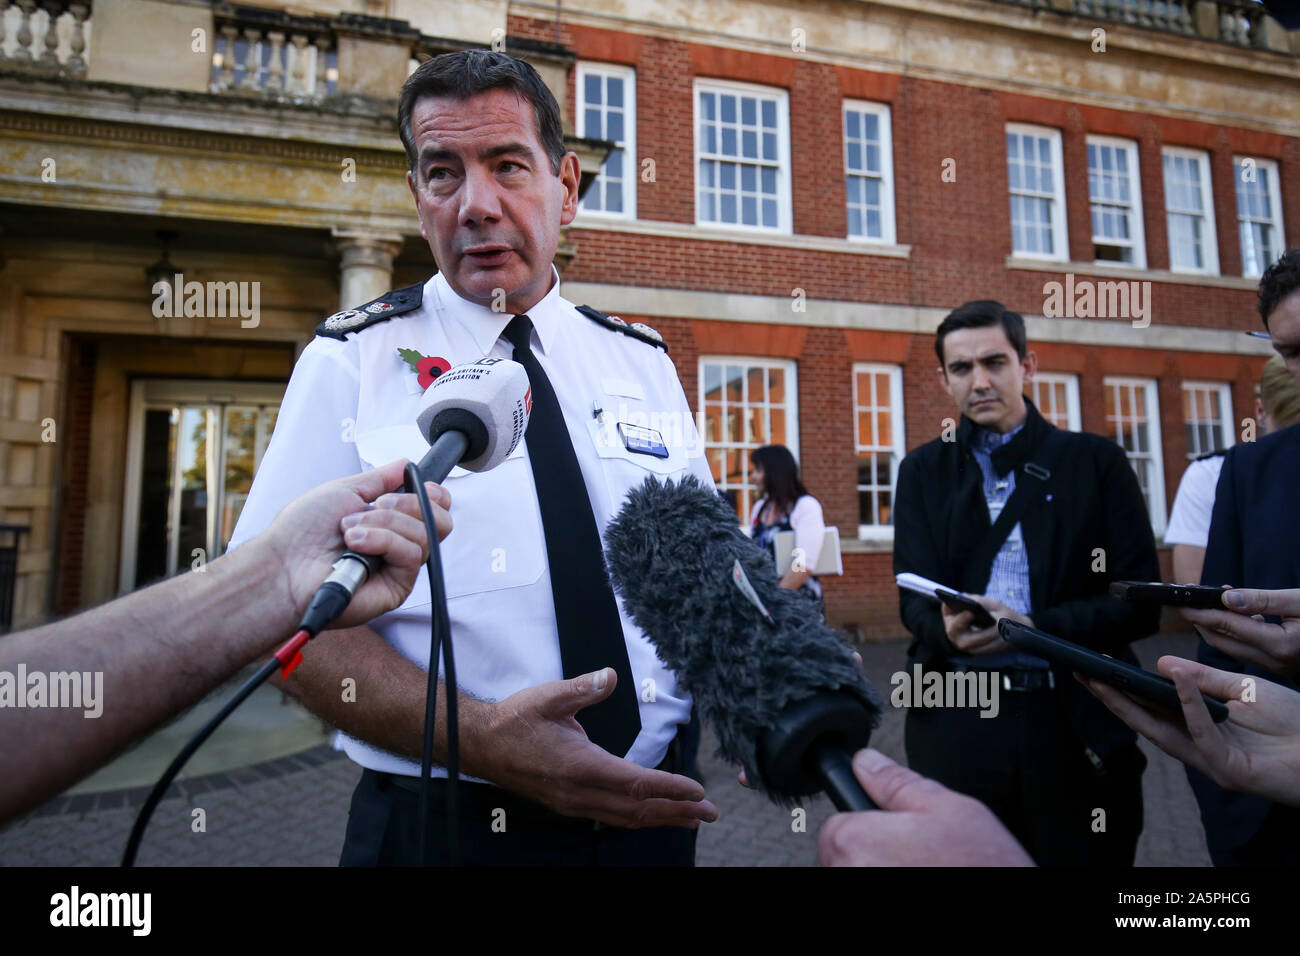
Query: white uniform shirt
{"type": "Point", "coordinates": [1189, 522]}
{"type": "Point", "coordinates": [351, 406]}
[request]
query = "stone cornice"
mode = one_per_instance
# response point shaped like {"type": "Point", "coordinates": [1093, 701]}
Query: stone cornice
{"type": "Point", "coordinates": [353, 122]}
{"type": "Point", "coordinates": [205, 141]}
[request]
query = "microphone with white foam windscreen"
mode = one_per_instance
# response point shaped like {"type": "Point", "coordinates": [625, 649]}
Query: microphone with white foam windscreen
{"type": "Point", "coordinates": [473, 415]}
{"type": "Point", "coordinates": [485, 404]}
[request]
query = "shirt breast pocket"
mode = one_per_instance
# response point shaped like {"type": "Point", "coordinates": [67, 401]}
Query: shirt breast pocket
{"type": "Point", "coordinates": [612, 445]}
{"type": "Point", "coordinates": [496, 540]}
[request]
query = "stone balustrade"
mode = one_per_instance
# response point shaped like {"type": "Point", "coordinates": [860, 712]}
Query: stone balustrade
{"type": "Point", "coordinates": [51, 36]}
{"type": "Point", "coordinates": [1238, 22]}
{"type": "Point", "coordinates": [273, 55]}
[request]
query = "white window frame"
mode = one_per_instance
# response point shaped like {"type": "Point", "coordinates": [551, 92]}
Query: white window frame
{"type": "Point", "coordinates": [1156, 483]}
{"type": "Point", "coordinates": [1060, 234]}
{"type": "Point", "coordinates": [784, 214]}
{"type": "Point", "coordinates": [1074, 422]}
{"type": "Point", "coordinates": [1138, 242]}
{"type": "Point", "coordinates": [791, 405]}
{"type": "Point", "coordinates": [888, 234]}
{"type": "Point", "coordinates": [1268, 167]}
{"type": "Point", "coordinates": [1226, 432]}
{"type": "Point", "coordinates": [1207, 200]}
{"type": "Point", "coordinates": [876, 532]}
{"type": "Point", "coordinates": [631, 169]}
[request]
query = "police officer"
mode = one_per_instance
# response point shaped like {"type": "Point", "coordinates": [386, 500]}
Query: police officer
{"type": "Point", "coordinates": [567, 717]}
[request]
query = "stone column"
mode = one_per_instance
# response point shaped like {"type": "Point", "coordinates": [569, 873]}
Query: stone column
{"type": "Point", "coordinates": [366, 267]}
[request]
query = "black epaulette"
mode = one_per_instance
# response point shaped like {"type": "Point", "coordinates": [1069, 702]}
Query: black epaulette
{"type": "Point", "coordinates": [1212, 454]}
{"type": "Point", "coordinates": [638, 330]}
{"type": "Point", "coordinates": [397, 302]}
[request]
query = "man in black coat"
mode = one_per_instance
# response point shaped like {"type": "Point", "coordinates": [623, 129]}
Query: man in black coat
{"type": "Point", "coordinates": [1060, 771]}
{"type": "Point", "coordinates": [1253, 544]}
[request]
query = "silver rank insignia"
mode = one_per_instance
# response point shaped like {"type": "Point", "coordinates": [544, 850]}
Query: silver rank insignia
{"type": "Point", "coordinates": [345, 321]}
{"type": "Point", "coordinates": [647, 331]}
{"type": "Point", "coordinates": [637, 330]}
{"type": "Point", "coordinates": [378, 308]}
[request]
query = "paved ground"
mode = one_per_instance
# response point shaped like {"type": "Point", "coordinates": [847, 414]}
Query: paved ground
{"type": "Point", "coordinates": [291, 811]}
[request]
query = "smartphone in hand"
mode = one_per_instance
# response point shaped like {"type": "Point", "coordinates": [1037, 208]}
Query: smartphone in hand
{"type": "Point", "coordinates": [1175, 595]}
{"type": "Point", "coordinates": [960, 602]}
{"type": "Point", "coordinates": [1132, 680]}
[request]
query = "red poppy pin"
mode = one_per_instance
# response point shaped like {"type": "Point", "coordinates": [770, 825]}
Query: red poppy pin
{"type": "Point", "coordinates": [427, 367]}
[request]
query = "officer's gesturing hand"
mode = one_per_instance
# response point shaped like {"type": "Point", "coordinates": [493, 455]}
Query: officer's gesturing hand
{"type": "Point", "coordinates": [1256, 750]}
{"type": "Point", "coordinates": [537, 749]}
{"type": "Point", "coordinates": [1241, 631]}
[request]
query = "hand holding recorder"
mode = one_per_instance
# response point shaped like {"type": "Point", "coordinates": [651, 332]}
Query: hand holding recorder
{"type": "Point", "coordinates": [1256, 750]}
{"type": "Point", "coordinates": [1243, 632]}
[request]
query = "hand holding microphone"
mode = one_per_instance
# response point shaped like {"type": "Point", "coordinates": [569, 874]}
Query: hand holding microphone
{"type": "Point", "coordinates": [366, 513]}
{"type": "Point", "coordinates": [927, 824]}
{"type": "Point", "coordinates": [477, 417]}
{"type": "Point", "coordinates": [473, 415]}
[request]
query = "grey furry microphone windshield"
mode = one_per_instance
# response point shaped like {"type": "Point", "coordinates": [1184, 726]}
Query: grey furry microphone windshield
{"type": "Point", "coordinates": [780, 688]}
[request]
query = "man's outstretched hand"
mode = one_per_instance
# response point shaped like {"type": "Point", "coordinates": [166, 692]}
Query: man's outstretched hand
{"type": "Point", "coordinates": [533, 746]}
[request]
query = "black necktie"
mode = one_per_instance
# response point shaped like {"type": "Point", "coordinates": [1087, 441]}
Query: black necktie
{"type": "Point", "coordinates": [586, 615]}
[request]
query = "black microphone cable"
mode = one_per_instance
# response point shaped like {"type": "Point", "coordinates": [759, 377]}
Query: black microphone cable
{"type": "Point", "coordinates": [439, 640]}
{"type": "Point", "coordinates": [330, 600]}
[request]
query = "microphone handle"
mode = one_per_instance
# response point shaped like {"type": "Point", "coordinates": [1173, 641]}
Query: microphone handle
{"type": "Point", "coordinates": [835, 768]}
{"type": "Point", "coordinates": [437, 462]}
{"type": "Point", "coordinates": [443, 455]}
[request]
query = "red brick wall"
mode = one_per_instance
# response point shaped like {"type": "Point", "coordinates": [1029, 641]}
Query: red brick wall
{"type": "Point", "coordinates": [959, 233]}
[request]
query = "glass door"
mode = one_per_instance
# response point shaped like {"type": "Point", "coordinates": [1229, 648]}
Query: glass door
{"type": "Point", "coordinates": [193, 448]}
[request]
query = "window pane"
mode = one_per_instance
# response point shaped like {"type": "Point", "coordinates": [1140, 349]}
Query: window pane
{"type": "Point", "coordinates": [778, 436]}
{"type": "Point", "coordinates": [866, 436]}
{"type": "Point", "coordinates": [776, 386]}
{"type": "Point", "coordinates": [735, 383]}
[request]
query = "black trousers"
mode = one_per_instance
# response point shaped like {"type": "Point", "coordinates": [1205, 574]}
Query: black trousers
{"type": "Point", "coordinates": [1028, 766]}
{"type": "Point", "coordinates": [496, 828]}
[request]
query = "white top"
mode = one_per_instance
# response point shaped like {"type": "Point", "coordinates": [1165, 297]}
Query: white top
{"type": "Point", "coordinates": [808, 525]}
{"type": "Point", "coordinates": [351, 406]}
{"type": "Point", "coordinates": [1189, 522]}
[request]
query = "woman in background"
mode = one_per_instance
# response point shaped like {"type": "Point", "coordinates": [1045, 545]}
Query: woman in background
{"type": "Point", "coordinates": [784, 505]}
